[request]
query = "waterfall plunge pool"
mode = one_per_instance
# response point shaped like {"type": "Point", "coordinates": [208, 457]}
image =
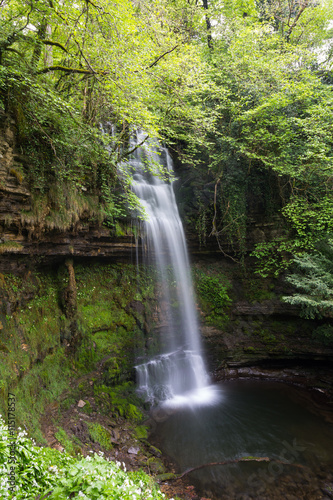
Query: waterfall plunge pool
{"type": "Point", "coordinates": [252, 419]}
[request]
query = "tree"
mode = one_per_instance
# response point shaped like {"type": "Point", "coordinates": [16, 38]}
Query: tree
{"type": "Point", "coordinates": [313, 278]}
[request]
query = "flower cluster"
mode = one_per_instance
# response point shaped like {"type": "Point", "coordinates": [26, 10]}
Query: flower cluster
{"type": "Point", "coordinates": [44, 470]}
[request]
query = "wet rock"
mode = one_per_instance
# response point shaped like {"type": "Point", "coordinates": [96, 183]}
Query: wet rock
{"type": "Point", "coordinates": [133, 451]}
{"type": "Point", "coordinates": [155, 451]}
{"type": "Point", "coordinates": [166, 477]}
{"type": "Point", "coordinates": [115, 436]}
{"type": "Point", "coordinates": [155, 465]}
{"type": "Point", "coordinates": [328, 490]}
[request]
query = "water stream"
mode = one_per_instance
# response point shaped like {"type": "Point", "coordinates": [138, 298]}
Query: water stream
{"type": "Point", "coordinates": [177, 374]}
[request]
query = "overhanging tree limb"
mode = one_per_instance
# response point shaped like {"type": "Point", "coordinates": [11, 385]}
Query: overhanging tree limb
{"type": "Point", "coordinates": [69, 70]}
{"type": "Point", "coordinates": [302, 8]}
{"type": "Point", "coordinates": [56, 44]}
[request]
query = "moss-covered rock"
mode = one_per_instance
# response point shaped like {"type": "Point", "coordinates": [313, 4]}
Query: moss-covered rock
{"type": "Point", "coordinates": [156, 466]}
{"type": "Point", "coordinates": [100, 435]}
{"type": "Point", "coordinates": [141, 432]}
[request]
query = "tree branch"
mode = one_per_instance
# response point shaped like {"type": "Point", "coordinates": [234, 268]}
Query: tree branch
{"type": "Point", "coordinates": [69, 70]}
{"type": "Point", "coordinates": [135, 147]}
{"type": "Point", "coordinates": [10, 49]}
{"type": "Point", "coordinates": [163, 55]}
{"type": "Point", "coordinates": [56, 44]}
{"type": "Point", "coordinates": [236, 461]}
{"type": "Point", "coordinates": [298, 15]}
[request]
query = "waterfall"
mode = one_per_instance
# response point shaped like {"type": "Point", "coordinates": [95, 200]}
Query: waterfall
{"type": "Point", "coordinates": [178, 373]}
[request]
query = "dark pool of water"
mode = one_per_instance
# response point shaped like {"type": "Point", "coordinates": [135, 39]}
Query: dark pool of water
{"type": "Point", "coordinates": [254, 419]}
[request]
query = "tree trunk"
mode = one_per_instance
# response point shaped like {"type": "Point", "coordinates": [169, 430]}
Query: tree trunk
{"type": "Point", "coordinates": [209, 26]}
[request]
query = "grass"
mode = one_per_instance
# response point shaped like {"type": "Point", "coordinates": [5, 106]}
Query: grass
{"type": "Point", "coordinates": [10, 246]}
{"type": "Point", "coordinates": [100, 435]}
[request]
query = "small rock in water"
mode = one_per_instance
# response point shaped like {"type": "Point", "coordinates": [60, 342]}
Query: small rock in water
{"type": "Point", "coordinates": [133, 451]}
{"type": "Point", "coordinates": [81, 403]}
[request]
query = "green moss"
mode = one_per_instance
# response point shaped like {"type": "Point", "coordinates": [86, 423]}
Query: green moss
{"type": "Point", "coordinates": [212, 291]}
{"type": "Point", "coordinates": [155, 465]}
{"type": "Point", "coordinates": [266, 336]}
{"type": "Point", "coordinates": [65, 441]}
{"type": "Point", "coordinates": [133, 413]}
{"type": "Point", "coordinates": [34, 360]}
{"type": "Point", "coordinates": [100, 435]}
{"type": "Point", "coordinates": [119, 401]}
{"type": "Point", "coordinates": [141, 432]}
{"type": "Point", "coordinates": [249, 349]}
{"type": "Point", "coordinates": [258, 290]}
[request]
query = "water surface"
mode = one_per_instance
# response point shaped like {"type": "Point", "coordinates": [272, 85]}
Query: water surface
{"type": "Point", "coordinates": [257, 419]}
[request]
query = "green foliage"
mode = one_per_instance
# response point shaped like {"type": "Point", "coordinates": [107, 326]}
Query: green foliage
{"type": "Point", "coordinates": [212, 292]}
{"type": "Point", "coordinates": [269, 115]}
{"type": "Point", "coordinates": [100, 435]}
{"type": "Point", "coordinates": [65, 68]}
{"type": "Point", "coordinates": [324, 334]}
{"type": "Point", "coordinates": [313, 278]}
{"type": "Point", "coordinates": [64, 440]}
{"type": "Point", "coordinates": [274, 257]}
{"type": "Point", "coordinates": [48, 472]}
{"type": "Point", "coordinates": [120, 401]}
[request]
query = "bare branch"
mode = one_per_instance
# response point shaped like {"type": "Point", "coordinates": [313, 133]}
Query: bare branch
{"type": "Point", "coordinates": [236, 461]}
{"type": "Point", "coordinates": [163, 55]}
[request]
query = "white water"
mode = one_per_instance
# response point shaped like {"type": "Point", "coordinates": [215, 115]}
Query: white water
{"type": "Point", "coordinates": [178, 374]}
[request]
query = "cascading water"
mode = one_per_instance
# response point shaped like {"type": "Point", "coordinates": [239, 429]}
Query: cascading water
{"type": "Point", "coordinates": [178, 374]}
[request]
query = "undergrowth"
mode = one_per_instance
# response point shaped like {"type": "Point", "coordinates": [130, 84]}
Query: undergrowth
{"type": "Point", "coordinates": [212, 290]}
{"type": "Point", "coordinates": [39, 472]}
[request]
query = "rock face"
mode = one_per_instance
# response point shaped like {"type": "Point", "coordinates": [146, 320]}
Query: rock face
{"type": "Point", "coordinates": [18, 242]}
{"type": "Point", "coordinates": [14, 197]}
{"type": "Point", "coordinates": [265, 338]}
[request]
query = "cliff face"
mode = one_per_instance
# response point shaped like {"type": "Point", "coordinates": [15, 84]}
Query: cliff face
{"type": "Point", "coordinates": [14, 196]}
{"type": "Point", "coordinates": [20, 241]}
